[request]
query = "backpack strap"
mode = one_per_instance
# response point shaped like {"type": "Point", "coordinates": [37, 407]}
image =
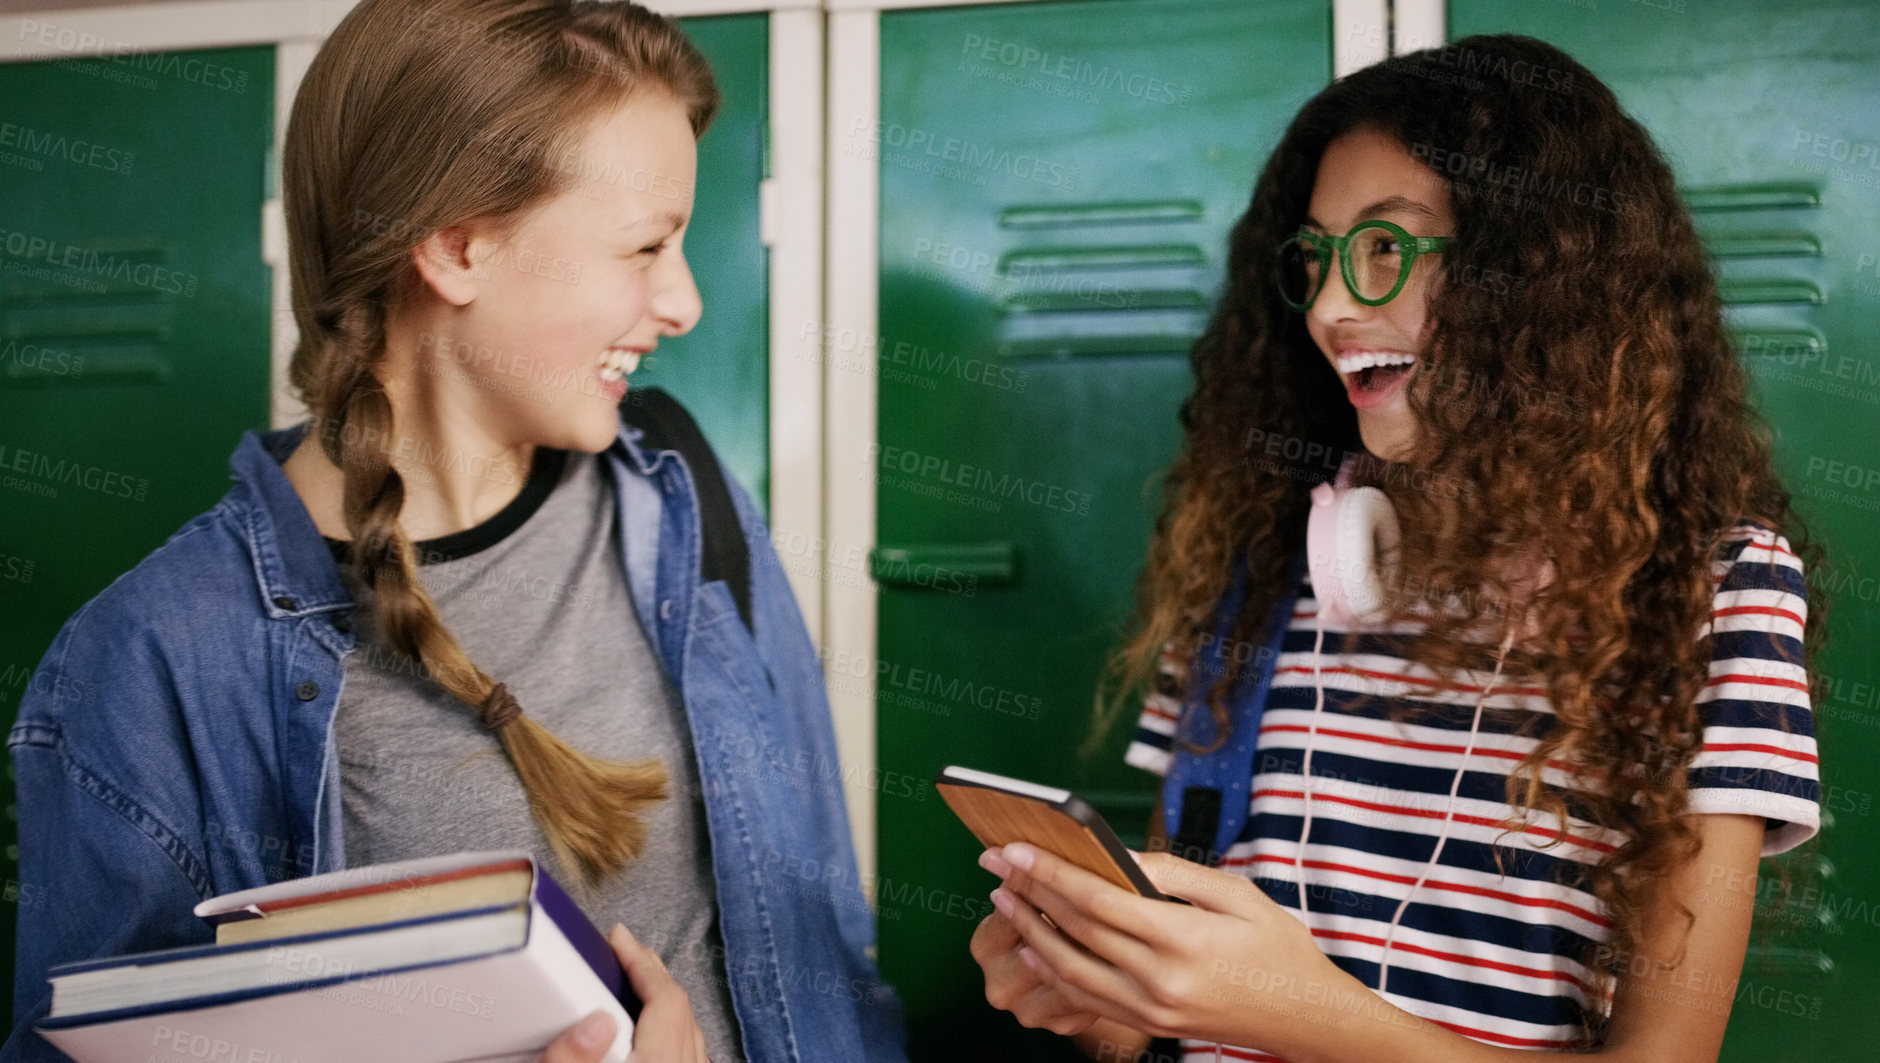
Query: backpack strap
{"type": "Point", "coordinates": [665, 425]}
{"type": "Point", "coordinates": [1206, 796]}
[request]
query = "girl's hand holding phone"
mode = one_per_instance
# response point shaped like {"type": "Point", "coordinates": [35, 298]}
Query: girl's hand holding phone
{"type": "Point", "coordinates": [1012, 985]}
{"type": "Point", "coordinates": [665, 1032]}
{"type": "Point", "coordinates": [1231, 967]}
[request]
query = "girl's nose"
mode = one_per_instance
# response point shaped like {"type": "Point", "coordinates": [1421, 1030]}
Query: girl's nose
{"type": "Point", "coordinates": [676, 302]}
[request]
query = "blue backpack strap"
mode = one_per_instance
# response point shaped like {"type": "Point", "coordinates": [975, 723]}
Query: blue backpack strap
{"type": "Point", "coordinates": [1206, 796]}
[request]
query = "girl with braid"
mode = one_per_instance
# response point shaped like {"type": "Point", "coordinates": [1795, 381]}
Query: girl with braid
{"type": "Point", "coordinates": [462, 607]}
{"type": "Point", "coordinates": [1471, 637]}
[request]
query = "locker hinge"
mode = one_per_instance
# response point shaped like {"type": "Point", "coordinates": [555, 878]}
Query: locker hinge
{"type": "Point", "coordinates": [273, 234]}
{"type": "Point", "coordinates": [768, 191]}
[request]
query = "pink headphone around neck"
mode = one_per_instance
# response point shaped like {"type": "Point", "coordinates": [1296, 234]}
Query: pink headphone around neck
{"type": "Point", "coordinates": [1349, 532]}
{"type": "Point", "coordinates": [1352, 541]}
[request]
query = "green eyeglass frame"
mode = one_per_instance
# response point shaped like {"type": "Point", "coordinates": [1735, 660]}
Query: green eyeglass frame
{"type": "Point", "coordinates": [1409, 248]}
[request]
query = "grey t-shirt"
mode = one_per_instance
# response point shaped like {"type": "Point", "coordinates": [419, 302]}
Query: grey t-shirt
{"type": "Point", "coordinates": [537, 598]}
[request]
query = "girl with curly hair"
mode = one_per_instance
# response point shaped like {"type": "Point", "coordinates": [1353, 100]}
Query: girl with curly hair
{"type": "Point", "coordinates": [1474, 557]}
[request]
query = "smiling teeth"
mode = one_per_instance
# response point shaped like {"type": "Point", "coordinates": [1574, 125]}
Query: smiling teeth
{"type": "Point", "coordinates": [1353, 363]}
{"type": "Point", "coordinates": [617, 362]}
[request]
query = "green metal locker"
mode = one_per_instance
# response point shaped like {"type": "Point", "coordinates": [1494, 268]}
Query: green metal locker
{"type": "Point", "coordinates": [1057, 181]}
{"type": "Point", "coordinates": [133, 327]}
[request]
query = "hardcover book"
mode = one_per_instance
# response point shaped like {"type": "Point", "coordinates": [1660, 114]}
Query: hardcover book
{"type": "Point", "coordinates": [476, 956]}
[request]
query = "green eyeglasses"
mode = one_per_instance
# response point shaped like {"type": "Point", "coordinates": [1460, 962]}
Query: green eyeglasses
{"type": "Point", "coordinates": [1375, 257]}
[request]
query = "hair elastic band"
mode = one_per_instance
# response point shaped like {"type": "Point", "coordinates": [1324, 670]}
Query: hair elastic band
{"type": "Point", "coordinates": [499, 708]}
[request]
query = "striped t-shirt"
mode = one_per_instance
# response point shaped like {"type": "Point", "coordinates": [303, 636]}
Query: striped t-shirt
{"type": "Point", "coordinates": [1490, 955]}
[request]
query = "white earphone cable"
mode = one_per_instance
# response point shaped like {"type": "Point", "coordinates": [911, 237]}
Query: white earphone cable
{"type": "Point", "coordinates": [1449, 814]}
{"type": "Point", "coordinates": [1449, 811]}
{"type": "Point", "coordinates": [1305, 771]}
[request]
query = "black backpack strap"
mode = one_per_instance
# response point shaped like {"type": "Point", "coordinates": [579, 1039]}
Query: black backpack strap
{"type": "Point", "coordinates": [667, 426]}
{"type": "Point", "coordinates": [1200, 821]}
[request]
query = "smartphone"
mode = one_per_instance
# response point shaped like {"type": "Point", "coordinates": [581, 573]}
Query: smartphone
{"type": "Point", "coordinates": [998, 810]}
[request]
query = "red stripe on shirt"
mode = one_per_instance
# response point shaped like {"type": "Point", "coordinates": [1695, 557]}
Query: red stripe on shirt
{"type": "Point", "coordinates": [1230, 1052]}
{"type": "Point", "coordinates": [1452, 957]}
{"type": "Point", "coordinates": [1758, 680]}
{"type": "Point", "coordinates": [1500, 1038]}
{"type": "Point", "coordinates": [1758, 747]}
{"type": "Point", "coordinates": [1406, 743]}
{"type": "Point", "coordinates": [1480, 821]}
{"type": "Point", "coordinates": [1761, 610]}
{"type": "Point", "coordinates": [1386, 876]}
{"type": "Point", "coordinates": [1367, 673]}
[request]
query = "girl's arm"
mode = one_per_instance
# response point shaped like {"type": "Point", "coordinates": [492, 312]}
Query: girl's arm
{"type": "Point", "coordinates": [1679, 1011]}
{"type": "Point", "coordinates": [96, 880]}
{"type": "Point", "coordinates": [1238, 969]}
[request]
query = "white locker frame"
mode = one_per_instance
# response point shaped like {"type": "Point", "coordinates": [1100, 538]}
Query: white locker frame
{"type": "Point", "coordinates": [819, 217]}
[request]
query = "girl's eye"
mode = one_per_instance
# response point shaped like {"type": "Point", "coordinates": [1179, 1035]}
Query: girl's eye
{"type": "Point", "coordinates": [653, 250]}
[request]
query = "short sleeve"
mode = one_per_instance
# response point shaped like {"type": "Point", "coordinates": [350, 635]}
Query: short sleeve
{"type": "Point", "coordinates": [1758, 755]}
{"type": "Point", "coordinates": [1155, 727]}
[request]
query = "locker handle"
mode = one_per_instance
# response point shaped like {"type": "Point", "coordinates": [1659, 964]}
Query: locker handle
{"type": "Point", "coordinates": [945, 566]}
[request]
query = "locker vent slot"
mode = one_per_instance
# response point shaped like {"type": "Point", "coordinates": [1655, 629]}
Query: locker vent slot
{"type": "Point", "coordinates": [1782, 343]}
{"type": "Point", "coordinates": [103, 319]}
{"type": "Point", "coordinates": [1788, 961]}
{"type": "Point", "coordinates": [1128, 299]}
{"type": "Point", "coordinates": [1150, 212]}
{"type": "Point", "coordinates": [1768, 270]}
{"type": "Point", "coordinates": [1751, 196]}
{"type": "Point", "coordinates": [1145, 257]}
{"type": "Point", "coordinates": [1112, 293]}
{"type": "Point", "coordinates": [1735, 292]}
{"type": "Point", "coordinates": [1750, 245]}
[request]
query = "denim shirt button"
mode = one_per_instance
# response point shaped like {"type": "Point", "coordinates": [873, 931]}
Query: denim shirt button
{"type": "Point", "coordinates": [665, 609]}
{"type": "Point", "coordinates": [284, 602]}
{"type": "Point", "coordinates": [307, 690]}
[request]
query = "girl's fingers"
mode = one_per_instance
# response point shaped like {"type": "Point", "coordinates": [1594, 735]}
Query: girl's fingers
{"type": "Point", "coordinates": [1047, 1009]}
{"type": "Point", "coordinates": [666, 1032]}
{"type": "Point", "coordinates": [1083, 979]}
{"type": "Point", "coordinates": [995, 937]}
{"type": "Point", "coordinates": [1204, 887]}
{"type": "Point", "coordinates": [1090, 930]}
{"type": "Point", "coordinates": [1078, 998]}
{"type": "Point", "coordinates": [995, 948]}
{"type": "Point", "coordinates": [646, 972]}
{"type": "Point", "coordinates": [582, 1042]}
{"type": "Point", "coordinates": [1076, 893]}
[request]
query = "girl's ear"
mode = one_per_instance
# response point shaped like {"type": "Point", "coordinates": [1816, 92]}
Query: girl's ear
{"type": "Point", "coordinates": [451, 262]}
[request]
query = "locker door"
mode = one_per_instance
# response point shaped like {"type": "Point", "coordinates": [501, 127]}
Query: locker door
{"type": "Point", "coordinates": [133, 327]}
{"type": "Point", "coordinates": [721, 369]}
{"type": "Point", "coordinates": [1766, 114]}
{"type": "Point", "coordinates": [1057, 181]}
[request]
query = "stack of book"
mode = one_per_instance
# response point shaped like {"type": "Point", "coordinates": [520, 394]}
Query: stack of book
{"type": "Point", "coordinates": [475, 956]}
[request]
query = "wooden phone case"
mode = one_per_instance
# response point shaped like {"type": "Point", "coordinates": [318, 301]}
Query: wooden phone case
{"type": "Point", "coordinates": [1073, 830]}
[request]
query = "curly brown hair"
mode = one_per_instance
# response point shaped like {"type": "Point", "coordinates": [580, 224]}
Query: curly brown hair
{"type": "Point", "coordinates": [417, 115]}
{"type": "Point", "coordinates": [1588, 406]}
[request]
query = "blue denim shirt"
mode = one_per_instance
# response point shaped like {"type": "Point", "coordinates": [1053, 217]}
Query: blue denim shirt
{"type": "Point", "coordinates": [176, 742]}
